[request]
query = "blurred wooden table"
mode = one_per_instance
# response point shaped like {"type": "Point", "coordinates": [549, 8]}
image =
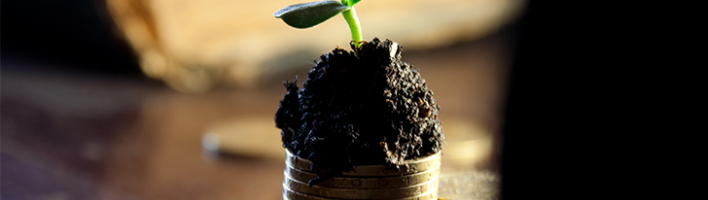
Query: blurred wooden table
{"type": "Point", "coordinates": [71, 135]}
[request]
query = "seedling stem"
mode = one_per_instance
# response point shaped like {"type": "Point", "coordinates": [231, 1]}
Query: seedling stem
{"type": "Point", "coordinates": [354, 26]}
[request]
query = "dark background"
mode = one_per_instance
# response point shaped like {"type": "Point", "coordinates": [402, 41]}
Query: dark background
{"type": "Point", "coordinates": [567, 113]}
{"type": "Point", "coordinates": [73, 35]}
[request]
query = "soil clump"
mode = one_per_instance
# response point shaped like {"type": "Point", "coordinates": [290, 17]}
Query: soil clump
{"type": "Point", "coordinates": [359, 108]}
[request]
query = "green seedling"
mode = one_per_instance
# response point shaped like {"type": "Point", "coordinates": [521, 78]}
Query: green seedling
{"type": "Point", "coordinates": [306, 15]}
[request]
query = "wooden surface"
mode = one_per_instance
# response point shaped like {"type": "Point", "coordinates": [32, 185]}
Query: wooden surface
{"type": "Point", "coordinates": [72, 135]}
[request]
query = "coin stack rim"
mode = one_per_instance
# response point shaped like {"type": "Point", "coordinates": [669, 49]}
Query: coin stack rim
{"type": "Point", "coordinates": [410, 166]}
{"type": "Point", "coordinates": [365, 182]}
{"type": "Point", "coordinates": [416, 180]}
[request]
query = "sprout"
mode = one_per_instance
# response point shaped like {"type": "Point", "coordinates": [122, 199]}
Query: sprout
{"type": "Point", "coordinates": [306, 15]}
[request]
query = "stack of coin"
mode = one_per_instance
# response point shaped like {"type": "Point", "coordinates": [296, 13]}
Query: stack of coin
{"type": "Point", "coordinates": [416, 180]}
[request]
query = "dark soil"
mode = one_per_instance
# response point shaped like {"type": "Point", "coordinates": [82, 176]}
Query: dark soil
{"type": "Point", "coordinates": [365, 110]}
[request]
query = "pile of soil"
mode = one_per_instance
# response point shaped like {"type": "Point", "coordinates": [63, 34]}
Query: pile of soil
{"type": "Point", "coordinates": [367, 108]}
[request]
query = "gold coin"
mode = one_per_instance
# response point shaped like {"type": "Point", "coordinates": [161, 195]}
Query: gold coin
{"type": "Point", "coordinates": [364, 182]}
{"type": "Point", "coordinates": [358, 193]}
{"type": "Point", "coordinates": [407, 167]}
{"type": "Point", "coordinates": [293, 195]}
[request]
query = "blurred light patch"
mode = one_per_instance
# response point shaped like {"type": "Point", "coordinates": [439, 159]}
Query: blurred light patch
{"type": "Point", "coordinates": [254, 137]}
{"type": "Point", "coordinates": [194, 45]}
{"type": "Point", "coordinates": [466, 144]}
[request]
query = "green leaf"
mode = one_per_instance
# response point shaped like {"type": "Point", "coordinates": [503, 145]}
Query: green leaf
{"type": "Point", "coordinates": [306, 15]}
{"type": "Point", "coordinates": [350, 3]}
